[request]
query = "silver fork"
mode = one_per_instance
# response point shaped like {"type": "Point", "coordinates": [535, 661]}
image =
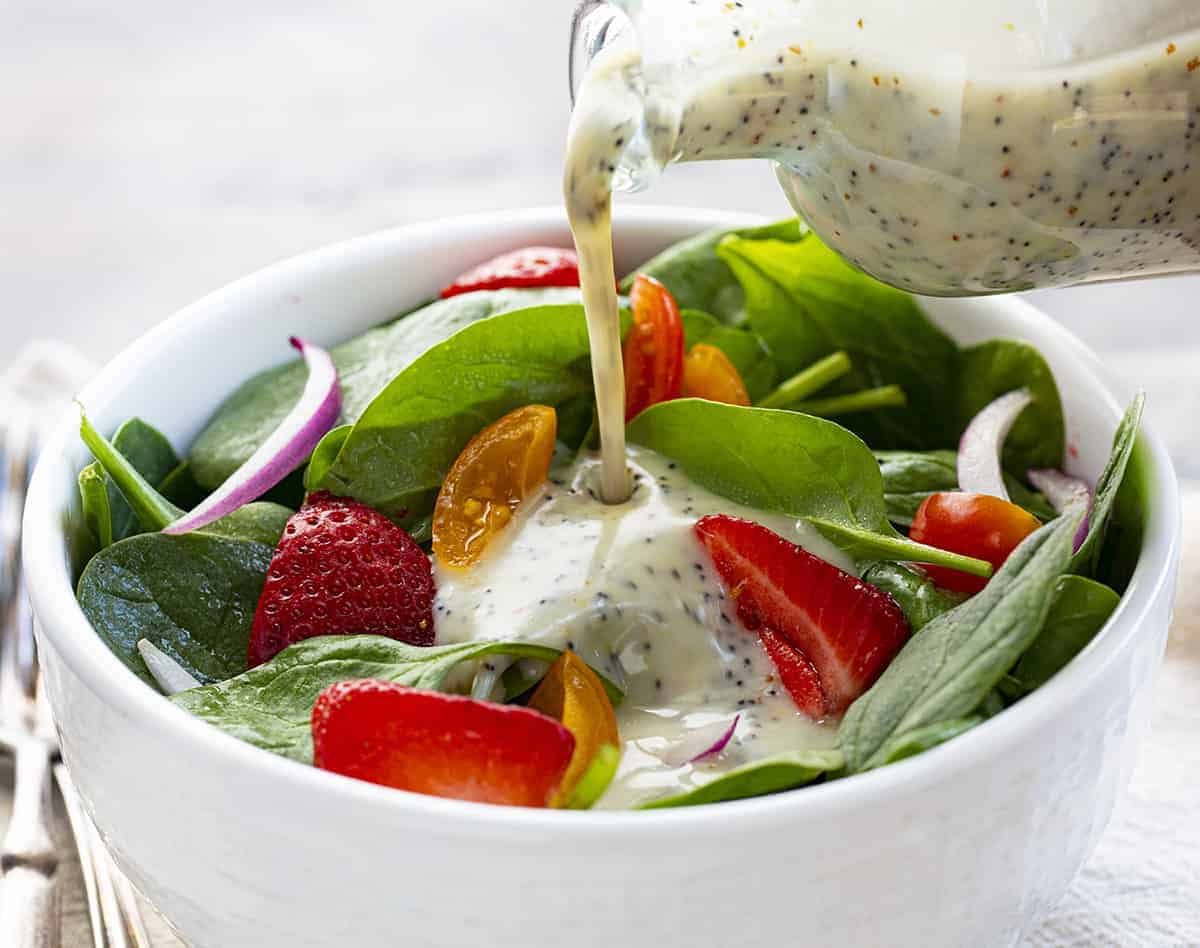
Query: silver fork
{"type": "Point", "coordinates": [29, 896]}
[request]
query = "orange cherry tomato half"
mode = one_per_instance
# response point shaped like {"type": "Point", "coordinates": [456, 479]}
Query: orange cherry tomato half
{"type": "Point", "coordinates": [653, 351]}
{"type": "Point", "coordinates": [708, 373]}
{"type": "Point", "coordinates": [499, 467]}
{"type": "Point", "coordinates": [573, 694]}
{"type": "Point", "coordinates": [976, 525]}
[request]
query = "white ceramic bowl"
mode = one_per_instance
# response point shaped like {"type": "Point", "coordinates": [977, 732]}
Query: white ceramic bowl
{"type": "Point", "coordinates": [967, 844]}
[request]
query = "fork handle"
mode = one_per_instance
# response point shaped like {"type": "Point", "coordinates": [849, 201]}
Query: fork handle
{"type": "Point", "coordinates": [29, 916]}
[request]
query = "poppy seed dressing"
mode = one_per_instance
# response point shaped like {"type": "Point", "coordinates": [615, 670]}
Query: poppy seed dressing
{"type": "Point", "coordinates": [632, 591]}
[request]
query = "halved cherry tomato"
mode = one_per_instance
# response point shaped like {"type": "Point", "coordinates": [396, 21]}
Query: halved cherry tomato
{"type": "Point", "coordinates": [529, 266]}
{"type": "Point", "coordinates": [708, 373]}
{"type": "Point", "coordinates": [573, 694]}
{"type": "Point", "coordinates": [653, 350]}
{"type": "Point", "coordinates": [499, 467]}
{"type": "Point", "coordinates": [976, 525]}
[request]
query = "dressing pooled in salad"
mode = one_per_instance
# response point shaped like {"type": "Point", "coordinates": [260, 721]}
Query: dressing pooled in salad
{"type": "Point", "coordinates": [399, 559]}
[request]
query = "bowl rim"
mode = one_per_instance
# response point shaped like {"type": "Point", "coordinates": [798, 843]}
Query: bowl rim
{"type": "Point", "coordinates": [47, 570]}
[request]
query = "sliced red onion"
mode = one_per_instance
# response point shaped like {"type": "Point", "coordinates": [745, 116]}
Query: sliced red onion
{"type": "Point", "coordinates": [288, 447]}
{"type": "Point", "coordinates": [979, 470]}
{"type": "Point", "coordinates": [1060, 489]}
{"type": "Point", "coordinates": [699, 743]}
{"type": "Point", "coordinates": [170, 675]}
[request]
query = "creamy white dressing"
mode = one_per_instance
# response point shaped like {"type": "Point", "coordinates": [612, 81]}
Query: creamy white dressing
{"type": "Point", "coordinates": [631, 590]}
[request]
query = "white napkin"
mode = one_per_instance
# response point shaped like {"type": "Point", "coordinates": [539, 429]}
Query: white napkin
{"type": "Point", "coordinates": [1142, 885]}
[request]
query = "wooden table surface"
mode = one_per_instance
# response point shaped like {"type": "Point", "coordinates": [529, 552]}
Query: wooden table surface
{"type": "Point", "coordinates": [150, 153]}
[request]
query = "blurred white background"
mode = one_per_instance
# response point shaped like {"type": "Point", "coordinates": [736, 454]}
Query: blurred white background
{"type": "Point", "coordinates": [150, 153]}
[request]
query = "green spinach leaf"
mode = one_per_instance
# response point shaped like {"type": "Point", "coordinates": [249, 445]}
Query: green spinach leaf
{"type": "Point", "coordinates": [921, 739]}
{"type": "Point", "coordinates": [773, 774]}
{"type": "Point", "coordinates": [919, 599]}
{"type": "Point", "coordinates": [180, 487]}
{"type": "Point", "coordinates": [193, 596]}
{"type": "Point", "coordinates": [365, 366]}
{"type": "Point", "coordinates": [797, 464]}
{"type": "Point", "coordinates": [909, 477]}
{"type": "Point", "coordinates": [400, 449]}
{"type": "Point", "coordinates": [993, 368]}
{"type": "Point", "coordinates": [806, 302]}
{"type": "Point", "coordinates": [324, 454]}
{"type": "Point", "coordinates": [151, 454]}
{"type": "Point", "coordinates": [745, 350]}
{"type": "Point", "coordinates": [699, 279]}
{"type": "Point", "coordinates": [947, 668]}
{"type": "Point", "coordinates": [270, 706]}
{"type": "Point", "coordinates": [1108, 486]}
{"type": "Point", "coordinates": [1079, 607]}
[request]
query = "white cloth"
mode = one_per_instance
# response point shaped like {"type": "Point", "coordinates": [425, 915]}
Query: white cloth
{"type": "Point", "coordinates": [1142, 885]}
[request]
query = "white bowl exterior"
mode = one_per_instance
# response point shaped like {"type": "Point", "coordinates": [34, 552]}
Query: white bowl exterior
{"type": "Point", "coordinates": [969, 843]}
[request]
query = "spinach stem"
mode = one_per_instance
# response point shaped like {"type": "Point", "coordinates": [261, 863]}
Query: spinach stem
{"type": "Point", "coordinates": [885, 396]}
{"type": "Point", "coordinates": [808, 381]}
{"type": "Point", "coordinates": [150, 507]}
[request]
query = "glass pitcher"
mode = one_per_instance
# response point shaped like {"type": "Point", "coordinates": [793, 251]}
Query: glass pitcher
{"type": "Point", "coordinates": [948, 149]}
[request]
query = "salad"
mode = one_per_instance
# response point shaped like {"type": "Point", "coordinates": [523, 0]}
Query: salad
{"type": "Point", "coordinates": [849, 539]}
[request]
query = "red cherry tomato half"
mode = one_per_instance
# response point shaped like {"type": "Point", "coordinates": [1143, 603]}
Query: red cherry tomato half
{"type": "Point", "coordinates": [529, 266]}
{"type": "Point", "coordinates": [653, 350]}
{"type": "Point", "coordinates": [976, 525]}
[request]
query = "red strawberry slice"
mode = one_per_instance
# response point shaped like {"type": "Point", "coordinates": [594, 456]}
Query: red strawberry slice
{"type": "Point", "coordinates": [342, 568]}
{"type": "Point", "coordinates": [795, 671]}
{"type": "Point", "coordinates": [846, 631]}
{"type": "Point", "coordinates": [441, 745]}
{"type": "Point", "coordinates": [530, 266]}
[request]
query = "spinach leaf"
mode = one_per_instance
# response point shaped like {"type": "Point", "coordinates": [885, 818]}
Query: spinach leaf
{"type": "Point", "coordinates": [993, 368]}
{"type": "Point", "coordinates": [745, 350]}
{"type": "Point", "coordinates": [947, 668]}
{"type": "Point", "coordinates": [180, 487]}
{"type": "Point", "coordinates": [806, 302]}
{"type": "Point", "coordinates": [400, 449]}
{"type": "Point", "coordinates": [1109, 485]}
{"type": "Point", "coordinates": [1079, 607]}
{"type": "Point", "coordinates": [797, 464]}
{"type": "Point", "coordinates": [918, 598]}
{"type": "Point", "coordinates": [699, 279]}
{"type": "Point", "coordinates": [193, 596]}
{"type": "Point", "coordinates": [270, 705]}
{"type": "Point", "coordinates": [773, 774]}
{"type": "Point", "coordinates": [365, 366]}
{"type": "Point", "coordinates": [921, 739]}
{"type": "Point", "coordinates": [324, 454]}
{"type": "Point", "coordinates": [909, 477]}
{"type": "Point", "coordinates": [151, 454]}
{"type": "Point", "coordinates": [1122, 545]}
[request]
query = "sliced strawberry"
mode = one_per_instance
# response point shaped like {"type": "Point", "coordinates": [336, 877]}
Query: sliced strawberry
{"type": "Point", "coordinates": [796, 672]}
{"type": "Point", "coordinates": [845, 629]}
{"type": "Point", "coordinates": [529, 266]}
{"type": "Point", "coordinates": [342, 568]}
{"type": "Point", "coordinates": [441, 745]}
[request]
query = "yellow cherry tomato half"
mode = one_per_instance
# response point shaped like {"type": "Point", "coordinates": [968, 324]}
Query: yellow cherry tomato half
{"type": "Point", "coordinates": [708, 373]}
{"type": "Point", "coordinates": [573, 694]}
{"type": "Point", "coordinates": [499, 467]}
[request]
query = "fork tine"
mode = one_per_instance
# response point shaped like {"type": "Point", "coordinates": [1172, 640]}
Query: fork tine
{"type": "Point", "coordinates": [133, 913]}
{"type": "Point", "coordinates": [110, 907]}
{"type": "Point", "coordinates": [83, 844]}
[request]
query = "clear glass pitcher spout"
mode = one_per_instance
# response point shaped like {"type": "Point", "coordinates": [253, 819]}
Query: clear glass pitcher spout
{"type": "Point", "coordinates": [947, 149]}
